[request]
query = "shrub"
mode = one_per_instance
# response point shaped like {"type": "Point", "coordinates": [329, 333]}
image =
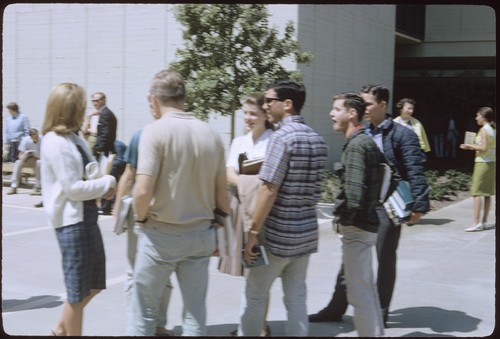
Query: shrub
{"type": "Point", "coordinates": [330, 186]}
{"type": "Point", "coordinates": [443, 187]}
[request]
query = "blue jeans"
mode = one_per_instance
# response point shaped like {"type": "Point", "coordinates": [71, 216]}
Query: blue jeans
{"type": "Point", "coordinates": [161, 250]}
{"type": "Point", "coordinates": [131, 251]}
{"type": "Point", "coordinates": [357, 248]}
{"type": "Point", "coordinates": [259, 281]}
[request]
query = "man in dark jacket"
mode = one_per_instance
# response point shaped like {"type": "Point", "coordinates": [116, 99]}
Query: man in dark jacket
{"type": "Point", "coordinates": [106, 128]}
{"type": "Point", "coordinates": [400, 146]}
{"type": "Point", "coordinates": [117, 169]}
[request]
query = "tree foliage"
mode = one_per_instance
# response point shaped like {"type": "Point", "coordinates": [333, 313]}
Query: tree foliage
{"type": "Point", "coordinates": [229, 51]}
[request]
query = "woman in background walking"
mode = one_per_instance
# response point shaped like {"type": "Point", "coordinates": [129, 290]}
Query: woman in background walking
{"type": "Point", "coordinates": [483, 177]}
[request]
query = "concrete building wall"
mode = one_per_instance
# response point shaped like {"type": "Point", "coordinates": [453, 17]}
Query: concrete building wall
{"type": "Point", "coordinates": [463, 23]}
{"type": "Point", "coordinates": [353, 46]}
{"type": "Point", "coordinates": [117, 48]}
{"type": "Point", "coordinates": [114, 48]}
{"type": "Point", "coordinates": [468, 31]}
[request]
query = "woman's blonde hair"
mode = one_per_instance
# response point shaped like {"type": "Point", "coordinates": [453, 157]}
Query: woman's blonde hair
{"type": "Point", "coordinates": [65, 109]}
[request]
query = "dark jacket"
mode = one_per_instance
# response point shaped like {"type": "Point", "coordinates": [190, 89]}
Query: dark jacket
{"type": "Point", "coordinates": [106, 132]}
{"type": "Point", "coordinates": [402, 148]}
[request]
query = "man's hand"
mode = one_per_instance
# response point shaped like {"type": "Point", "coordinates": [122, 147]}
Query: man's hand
{"type": "Point", "coordinates": [249, 256]}
{"type": "Point", "coordinates": [414, 218]}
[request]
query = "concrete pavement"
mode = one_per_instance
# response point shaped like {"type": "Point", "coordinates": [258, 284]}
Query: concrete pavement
{"type": "Point", "coordinates": [445, 284]}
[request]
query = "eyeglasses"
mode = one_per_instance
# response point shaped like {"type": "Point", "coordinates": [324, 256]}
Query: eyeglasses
{"type": "Point", "coordinates": [269, 100]}
{"type": "Point", "coordinates": [94, 100]}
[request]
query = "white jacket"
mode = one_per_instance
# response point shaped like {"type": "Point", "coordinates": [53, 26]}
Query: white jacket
{"type": "Point", "coordinates": [63, 187]}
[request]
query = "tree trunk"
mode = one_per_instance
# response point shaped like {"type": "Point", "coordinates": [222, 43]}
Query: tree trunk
{"type": "Point", "coordinates": [233, 117]}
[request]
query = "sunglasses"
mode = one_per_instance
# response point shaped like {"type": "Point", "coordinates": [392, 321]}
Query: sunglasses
{"type": "Point", "coordinates": [269, 100]}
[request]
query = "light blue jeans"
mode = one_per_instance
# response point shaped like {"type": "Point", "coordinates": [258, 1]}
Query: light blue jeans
{"type": "Point", "coordinates": [161, 321]}
{"type": "Point", "coordinates": [357, 247]}
{"type": "Point", "coordinates": [162, 250]}
{"type": "Point", "coordinates": [258, 284]}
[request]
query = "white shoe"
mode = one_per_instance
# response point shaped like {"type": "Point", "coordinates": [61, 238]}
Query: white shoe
{"type": "Point", "coordinates": [478, 227]}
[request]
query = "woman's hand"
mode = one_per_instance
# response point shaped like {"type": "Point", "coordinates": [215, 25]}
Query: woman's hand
{"type": "Point", "coordinates": [109, 194]}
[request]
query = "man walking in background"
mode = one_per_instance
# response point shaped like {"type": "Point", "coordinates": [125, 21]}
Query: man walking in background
{"type": "Point", "coordinates": [105, 139]}
{"type": "Point", "coordinates": [16, 127]}
{"type": "Point", "coordinates": [106, 127]}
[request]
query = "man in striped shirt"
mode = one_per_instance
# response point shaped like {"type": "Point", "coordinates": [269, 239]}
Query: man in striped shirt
{"type": "Point", "coordinates": [285, 217]}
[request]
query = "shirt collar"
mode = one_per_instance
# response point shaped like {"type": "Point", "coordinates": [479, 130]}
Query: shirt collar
{"type": "Point", "coordinates": [382, 126]}
{"type": "Point", "coordinates": [291, 118]}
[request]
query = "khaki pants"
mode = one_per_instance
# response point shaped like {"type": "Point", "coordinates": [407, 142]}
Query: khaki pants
{"type": "Point", "coordinates": [19, 165]}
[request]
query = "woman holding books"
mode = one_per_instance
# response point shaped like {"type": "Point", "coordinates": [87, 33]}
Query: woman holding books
{"type": "Point", "coordinates": [483, 176]}
{"type": "Point", "coordinates": [244, 181]}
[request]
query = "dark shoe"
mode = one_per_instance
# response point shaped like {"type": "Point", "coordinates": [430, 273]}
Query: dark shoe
{"type": "Point", "coordinates": [234, 333]}
{"type": "Point", "coordinates": [385, 312]}
{"type": "Point", "coordinates": [163, 332]}
{"type": "Point", "coordinates": [40, 204]}
{"type": "Point", "coordinates": [325, 316]}
{"type": "Point", "coordinates": [101, 212]}
{"type": "Point", "coordinates": [36, 191]}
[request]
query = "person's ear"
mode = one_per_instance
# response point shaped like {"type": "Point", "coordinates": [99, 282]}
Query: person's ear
{"type": "Point", "coordinates": [353, 115]}
{"type": "Point", "coordinates": [155, 104]}
{"type": "Point", "coordinates": [288, 105]}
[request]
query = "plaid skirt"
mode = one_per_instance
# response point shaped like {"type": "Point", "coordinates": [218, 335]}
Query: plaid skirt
{"type": "Point", "coordinates": [83, 257]}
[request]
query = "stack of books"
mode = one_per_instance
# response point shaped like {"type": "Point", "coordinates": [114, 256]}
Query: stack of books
{"type": "Point", "coordinates": [402, 200]}
{"type": "Point", "coordinates": [469, 138]}
{"type": "Point", "coordinates": [251, 166]}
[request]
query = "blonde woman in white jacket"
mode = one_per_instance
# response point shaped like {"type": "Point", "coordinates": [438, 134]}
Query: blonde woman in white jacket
{"type": "Point", "coordinates": [70, 189]}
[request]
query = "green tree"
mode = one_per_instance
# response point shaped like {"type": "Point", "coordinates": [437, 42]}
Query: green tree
{"type": "Point", "coordinates": [229, 51]}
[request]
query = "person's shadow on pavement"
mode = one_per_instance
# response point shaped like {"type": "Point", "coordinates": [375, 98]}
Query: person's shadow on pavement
{"type": "Point", "coordinates": [436, 319]}
{"type": "Point", "coordinates": [32, 303]}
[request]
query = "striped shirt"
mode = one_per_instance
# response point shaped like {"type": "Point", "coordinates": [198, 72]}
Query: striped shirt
{"type": "Point", "coordinates": [295, 160]}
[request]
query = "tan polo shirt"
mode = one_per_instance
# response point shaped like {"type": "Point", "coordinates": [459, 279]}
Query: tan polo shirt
{"type": "Point", "coordinates": [185, 156]}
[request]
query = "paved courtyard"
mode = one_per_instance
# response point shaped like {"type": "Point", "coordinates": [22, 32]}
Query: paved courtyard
{"type": "Point", "coordinates": [445, 285]}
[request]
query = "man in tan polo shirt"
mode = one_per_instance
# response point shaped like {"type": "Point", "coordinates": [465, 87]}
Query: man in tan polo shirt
{"type": "Point", "coordinates": [181, 179]}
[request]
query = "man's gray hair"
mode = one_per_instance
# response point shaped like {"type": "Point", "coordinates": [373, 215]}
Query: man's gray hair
{"type": "Point", "coordinates": [167, 86]}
